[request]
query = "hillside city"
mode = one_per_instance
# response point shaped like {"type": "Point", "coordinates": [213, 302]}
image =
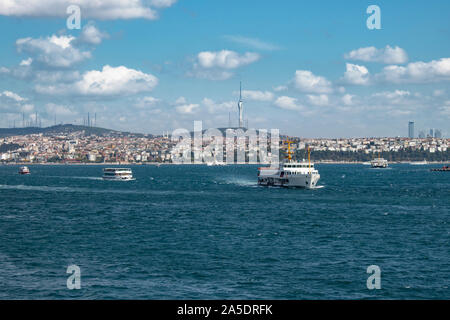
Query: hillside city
{"type": "Point", "coordinates": [87, 147]}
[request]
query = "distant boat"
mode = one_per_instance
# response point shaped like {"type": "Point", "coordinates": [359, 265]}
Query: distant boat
{"type": "Point", "coordinates": [418, 163]}
{"type": "Point", "coordinates": [24, 170]}
{"type": "Point", "coordinates": [444, 168]}
{"type": "Point", "coordinates": [379, 163]}
{"type": "Point", "coordinates": [118, 174]}
{"type": "Point", "coordinates": [216, 163]}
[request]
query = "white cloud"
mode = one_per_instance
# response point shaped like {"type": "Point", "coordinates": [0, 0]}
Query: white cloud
{"type": "Point", "coordinates": [356, 74]}
{"type": "Point", "coordinates": [181, 100]}
{"type": "Point", "coordinates": [53, 51]}
{"type": "Point", "coordinates": [214, 107]}
{"type": "Point", "coordinates": [218, 65]}
{"type": "Point", "coordinates": [257, 95]}
{"type": "Point", "coordinates": [225, 59]}
{"type": "Point", "coordinates": [318, 100]}
{"type": "Point", "coordinates": [288, 103]}
{"type": "Point", "coordinates": [347, 99]}
{"type": "Point", "coordinates": [146, 102]}
{"type": "Point", "coordinates": [110, 81]}
{"type": "Point", "coordinates": [90, 34]}
{"type": "Point", "coordinates": [187, 108]}
{"type": "Point", "coordinates": [306, 81]}
{"type": "Point", "coordinates": [392, 94]}
{"type": "Point", "coordinates": [162, 3]}
{"type": "Point", "coordinates": [26, 62]}
{"type": "Point", "coordinates": [13, 96]}
{"type": "Point", "coordinates": [61, 110]}
{"type": "Point", "coordinates": [417, 72]}
{"type": "Point", "coordinates": [396, 97]}
{"type": "Point", "coordinates": [11, 102]}
{"type": "Point", "coordinates": [280, 88]}
{"type": "Point", "coordinates": [387, 55]}
{"type": "Point", "coordinates": [252, 42]}
{"type": "Point", "coordinates": [99, 9]}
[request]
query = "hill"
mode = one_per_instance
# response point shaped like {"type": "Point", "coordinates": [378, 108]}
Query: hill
{"type": "Point", "coordinates": [65, 129]}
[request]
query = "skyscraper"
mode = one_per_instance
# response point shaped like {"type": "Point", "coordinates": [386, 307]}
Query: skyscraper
{"type": "Point", "coordinates": [411, 129]}
{"type": "Point", "coordinates": [241, 107]}
{"type": "Point", "coordinates": [437, 133]}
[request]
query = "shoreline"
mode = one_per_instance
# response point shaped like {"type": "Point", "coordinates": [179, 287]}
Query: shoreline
{"type": "Point", "coordinates": [203, 164]}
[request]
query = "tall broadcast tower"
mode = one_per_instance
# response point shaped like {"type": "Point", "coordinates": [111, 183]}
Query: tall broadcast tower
{"type": "Point", "coordinates": [241, 107]}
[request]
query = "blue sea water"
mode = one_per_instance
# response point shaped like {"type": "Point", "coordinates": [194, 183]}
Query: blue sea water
{"type": "Point", "coordinates": [198, 232]}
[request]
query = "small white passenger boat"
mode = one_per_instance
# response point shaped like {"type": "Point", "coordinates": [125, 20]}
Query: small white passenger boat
{"type": "Point", "coordinates": [121, 174]}
{"type": "Point", "coordinates": [24, 170]}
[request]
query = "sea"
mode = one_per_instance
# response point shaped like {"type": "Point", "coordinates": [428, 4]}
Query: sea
{"type": "Point", "coordinates": [210, 232]}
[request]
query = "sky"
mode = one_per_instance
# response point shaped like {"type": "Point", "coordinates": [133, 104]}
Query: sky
{"type": "Point", "coordinates": [308, 68]}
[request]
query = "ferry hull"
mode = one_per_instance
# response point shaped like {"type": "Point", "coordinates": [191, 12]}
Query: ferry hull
{"type": "Point", "coordinates": [306, 181]}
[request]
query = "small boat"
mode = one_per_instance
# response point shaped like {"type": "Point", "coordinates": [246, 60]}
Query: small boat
{"type": "Point", "coordinates": [118, 174]}
{"type": "Point", "coordinates": [24, 170]}
{"type": "Point", "coordinates": [444, 168]}
{"type": "Point", "coordinates": [379, 163]}
{"type": "Point", "coordinates": [419, 163]}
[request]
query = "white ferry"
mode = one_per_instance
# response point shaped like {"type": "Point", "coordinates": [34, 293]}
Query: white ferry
{"type": "Point", "coordinates": [24, 170]}
{"type": "Point", "coordinates": [122, 174]}
{"type": "Point", "coordinates": [290, 174]}
{"type": "Point", "coordinates": [379, 163]}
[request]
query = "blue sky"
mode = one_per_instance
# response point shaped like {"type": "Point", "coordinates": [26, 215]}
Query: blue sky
{"type": "Point", "coordinates": [309, 68]}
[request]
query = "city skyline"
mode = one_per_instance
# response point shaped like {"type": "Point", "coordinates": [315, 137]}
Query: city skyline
{"type": "Point", "coordinates": [312, 70]}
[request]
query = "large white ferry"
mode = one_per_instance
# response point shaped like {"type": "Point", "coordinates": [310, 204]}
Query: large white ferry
{"type": "Point", "coordinates": [290, 173]}
{"type": "Point", "coordinates": [122, 174]}
{"type": "Point", "coordinates": [379, 163]}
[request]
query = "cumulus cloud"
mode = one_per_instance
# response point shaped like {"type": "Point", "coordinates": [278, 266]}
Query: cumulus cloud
{"type": "Point", "coordinates": [100, 9]}
{"type": "Point", "coordinates": [215, 107]}
{"type": "Point", "coordinates": [26, 62]}
{"type": "Point", "coordinates": [417, 72]}
{"type": "Point", "coordinates": [225, 59]}
{"type": "Point", "coordinates": [60, 110]}
{"type": "Point", "coordinates": [288, 103]}
{"type": "Point", "coordinates": [183, 107]}
{"type": "Point", "coordinates": [11, 102]}
{"type": "Point", "coordinates": [387, 55]}
{"type": "Point", "coordinates": [393, 97]}
{"type": "Point", "coordinates": [187, 108]}
{"type": "Point", "coordinates": [318, 100]}
{"type": "Point", "coordinates": [356, 74]}
{"type": "Point", "coordinates": [91, 35]}
{"type": "Point", "coordinates": [306, 81]}
{"type": "Point", "coordinates": [148, 101]}
{"type": "Point", "coordinates": [53, 51]}
{"type": "Point", "coordinates": [110, 81]}
{"type": "Point", "coordinates": [13, 96]}
{"type": "Point", "coordinates": [218, 65]}
{"type": "Point", "coordinates": [162, 3]}
{"type": "Point", "coordinates": [257, 95]}
{"type": "Point", "coordinates": [347, 99]}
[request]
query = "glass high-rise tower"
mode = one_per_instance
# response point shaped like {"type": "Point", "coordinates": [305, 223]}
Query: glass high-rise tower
{"type": "Point", "coordinates": [411, 129]}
